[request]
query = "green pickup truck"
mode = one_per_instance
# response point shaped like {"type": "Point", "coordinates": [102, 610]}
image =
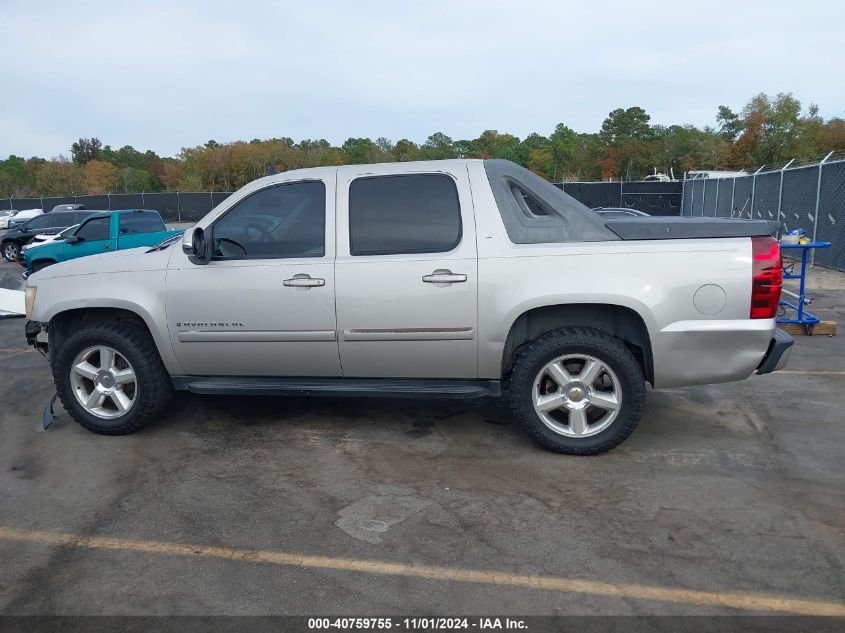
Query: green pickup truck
{"type": "Point", "coordinates": [102, 232]}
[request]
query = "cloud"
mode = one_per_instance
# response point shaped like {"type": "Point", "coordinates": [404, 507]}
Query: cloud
{"type": "Point", "coordinates": [163, 75]}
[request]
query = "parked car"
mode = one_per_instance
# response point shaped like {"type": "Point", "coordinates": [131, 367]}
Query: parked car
{"type": "Point", "coordinates": [46, 238]}
{"type": "Point", "coordinates": [620, 212]}
{"type": "Point", "coordinates": [22, 217]}
{"type": "Point", "coordinates": [449, 278]}
{"type": "Point", "coordinates": [104, 231]}
{"type": "Point", "coordinates": [5, 216]}
{"type": "Point", "coordinates": [48, 223]}
{"type": "Point", "coordinates": [68, 207]}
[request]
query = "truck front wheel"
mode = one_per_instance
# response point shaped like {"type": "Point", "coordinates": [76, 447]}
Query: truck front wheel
{"type": "Point", "coordinates": [11, 251]}
{"type": "Point", "coordinates": [577, 390]}
{"type": "Point", "coordinates": [110, 377]}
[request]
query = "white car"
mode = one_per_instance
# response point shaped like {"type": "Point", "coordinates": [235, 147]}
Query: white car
{"type": "Point", "coordinates": [22, 216]}
{"type": "Point", "coordinates": [5, 216]}
{"type": "Point", "coordinates": [46, 238]}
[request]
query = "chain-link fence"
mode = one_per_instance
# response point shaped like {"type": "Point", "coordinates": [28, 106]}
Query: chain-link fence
{"type": "Point", "coordinates": [173, 206]}
{"type": "Point", "coordinates": [655, 198]}
{"type": "Point", "coordinates": [809, 197]}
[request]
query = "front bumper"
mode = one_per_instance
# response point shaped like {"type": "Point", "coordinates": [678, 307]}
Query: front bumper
{"type": "Point", "coordinates": [36, 334]}
{"type": "Point", "coordinates": [777, 354]}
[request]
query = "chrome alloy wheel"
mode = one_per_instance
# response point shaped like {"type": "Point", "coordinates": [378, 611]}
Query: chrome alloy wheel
{"type": "Point", "coordinates": [103, 382]}
{"type": "Point", "coordinates": [577, 395]}
{"type": "Point", "coordinates": [10, 252]}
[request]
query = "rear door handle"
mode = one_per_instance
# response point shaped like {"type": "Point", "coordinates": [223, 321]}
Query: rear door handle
{"type": "Point", "coordinates": [442, 276]}
{"type": "Point", "coordinates": [304, 282]}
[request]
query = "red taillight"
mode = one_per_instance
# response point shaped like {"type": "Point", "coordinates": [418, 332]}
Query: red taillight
{"type": "Point", "coordinates": [766, 277]}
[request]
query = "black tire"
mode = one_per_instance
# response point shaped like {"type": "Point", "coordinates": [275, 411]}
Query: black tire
{"type": "Point", "coordinates": [41, 265]}
{"type": "Point", "coordinates": [136, 345]}
{"type": "Point", "coordinates": [10, 251]}
{"type": "Point", "coordinates": [578, 340]}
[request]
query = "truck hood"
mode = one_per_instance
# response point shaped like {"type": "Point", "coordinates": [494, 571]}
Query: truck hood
{"type": "Point", "coordinates": [130, 260]}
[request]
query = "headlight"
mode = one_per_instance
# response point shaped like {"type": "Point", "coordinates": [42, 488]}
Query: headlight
{"type": "Point", "coordinates": [29, 300]}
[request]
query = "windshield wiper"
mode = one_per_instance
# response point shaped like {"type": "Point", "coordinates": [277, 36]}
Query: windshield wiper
{"type": "Point", "coordinates": [165, 243]}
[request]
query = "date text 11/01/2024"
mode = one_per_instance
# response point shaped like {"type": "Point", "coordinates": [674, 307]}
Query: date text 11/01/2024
{"type": "Point", "coordinates": [417, 624]}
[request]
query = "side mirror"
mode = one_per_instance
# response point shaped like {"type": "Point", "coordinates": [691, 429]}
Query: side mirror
{"type": "Point", "coordinates": [73, 239]}
{"type": "Point", "coordinates": [197, 248]}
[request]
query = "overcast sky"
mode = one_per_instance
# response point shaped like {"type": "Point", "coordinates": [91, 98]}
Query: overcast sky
{"type": "Point", "coordinates": [164, 75]}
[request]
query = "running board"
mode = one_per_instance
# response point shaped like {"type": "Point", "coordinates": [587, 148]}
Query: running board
{"type": "Point", "coordinates": [360, 387]}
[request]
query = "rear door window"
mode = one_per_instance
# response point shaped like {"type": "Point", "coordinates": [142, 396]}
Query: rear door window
{"type": "Point", "coordinates": [414, 213]}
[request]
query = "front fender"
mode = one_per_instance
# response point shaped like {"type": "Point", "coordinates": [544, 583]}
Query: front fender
{"type": "Point", "coordinates": [139, 292]}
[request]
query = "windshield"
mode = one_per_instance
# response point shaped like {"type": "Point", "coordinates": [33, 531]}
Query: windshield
{"type": "Point", "coordinates": [38, 222]}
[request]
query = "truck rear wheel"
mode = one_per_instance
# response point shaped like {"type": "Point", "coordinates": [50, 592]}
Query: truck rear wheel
{"type": "Point", "coordinates": [110, 378]}
{"type": "Point", "coordinates": [577, 390]}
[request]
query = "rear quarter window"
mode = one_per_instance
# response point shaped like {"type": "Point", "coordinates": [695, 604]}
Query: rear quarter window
{"type": "Point", "coordinates": [140, 223]}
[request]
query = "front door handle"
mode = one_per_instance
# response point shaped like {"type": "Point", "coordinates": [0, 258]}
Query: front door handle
{"type": "Point", "coordinates": [442, 276]}
{"type": "Point", "coordinates": [304, 281]}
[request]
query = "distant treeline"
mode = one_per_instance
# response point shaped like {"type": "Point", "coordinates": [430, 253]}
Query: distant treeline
{"type": "Point", "coordinates": [767, 131]}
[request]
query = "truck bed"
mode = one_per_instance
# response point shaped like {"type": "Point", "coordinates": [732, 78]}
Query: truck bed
{"type": "Point", "coordinates": [671, 228]}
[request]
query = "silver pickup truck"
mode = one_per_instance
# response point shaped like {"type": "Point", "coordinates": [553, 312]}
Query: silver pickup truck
{"type": "Point", "coordinates": [460, 278]}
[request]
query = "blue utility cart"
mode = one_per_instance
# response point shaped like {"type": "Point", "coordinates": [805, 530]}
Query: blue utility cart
{"type": "Point", "coordinates": [789, 312]}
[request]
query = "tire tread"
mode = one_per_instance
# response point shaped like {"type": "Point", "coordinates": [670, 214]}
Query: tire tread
{"type": "Point", "coordinates": [524, 373]}
{"type": "Point", "coordinates": [156, 389]}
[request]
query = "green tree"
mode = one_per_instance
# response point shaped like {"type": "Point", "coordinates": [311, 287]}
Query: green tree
{"type": "Point", "coordinates": [359, 150]}
{"type": "Point", "coordinates": [85, 149]}
{"type": "Point", "coordinates": [133, 180]}
{"type": "Point", "coordinates": [627, 135]}
{"type": "Point", "coordinates": [15, 179]}
{"type": "Point", "coordinates": [406, 150]}
{"type": "Point", "coordinates": [438, 146]}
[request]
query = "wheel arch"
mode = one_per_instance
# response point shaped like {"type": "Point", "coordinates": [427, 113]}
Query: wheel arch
{"type": "Point", "coordinates": [619, 321]}
{"type": "Point", "coordinates": [35, 262]}
{"type": "Point", "coordinates": [66, 321]}
{"type": "Point", "coordinates": [5, 242]}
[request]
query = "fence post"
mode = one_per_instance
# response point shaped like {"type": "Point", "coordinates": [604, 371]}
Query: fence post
{"type": "Point", "coordinates": [703, 196]}
{"type": "Point", "coordinates": [143, 204]}
{"type": "Point", "coordinates": [780, 193]}
{"type": "Point", "coordinates": [692, 198]}
{"type": "Point", "coordinates": [178, 209]}
{"type": "Point", "coordinates": [621, 192]}
{"type": "Point", "coordinates": [716, 206]}
{"type": "Point", "coordinates": [816, 213]}
{"type": "Point", "coordinates": [109, 197]}
{"type": "Point", "coordinates": [753, 191]}
{"type": "Point", "coordinates": [733, 195]}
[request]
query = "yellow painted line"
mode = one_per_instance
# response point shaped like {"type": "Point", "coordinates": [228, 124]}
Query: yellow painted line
{"type": "Point", "coordinates": [730, 600]}
{"type": "Point", "coordinates": [801, 372]}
